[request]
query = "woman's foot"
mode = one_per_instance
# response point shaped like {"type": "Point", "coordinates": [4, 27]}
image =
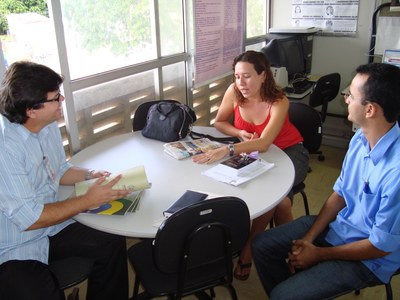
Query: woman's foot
{"type": "Point", "coordinates": [242, 270]}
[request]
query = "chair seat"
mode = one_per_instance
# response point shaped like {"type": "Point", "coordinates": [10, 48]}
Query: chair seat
{"type": "Point", "coordinates": [71, 271]}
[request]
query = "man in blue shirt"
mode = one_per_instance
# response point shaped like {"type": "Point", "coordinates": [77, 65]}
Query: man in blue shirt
{"type": "Point", "coordinates": [354, 242]}
{"type": "Point", "coordinates": [36, 228]}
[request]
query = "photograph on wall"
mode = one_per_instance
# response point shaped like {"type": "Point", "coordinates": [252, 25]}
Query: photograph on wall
{"type": "Point", "coordinates": [331, 17]}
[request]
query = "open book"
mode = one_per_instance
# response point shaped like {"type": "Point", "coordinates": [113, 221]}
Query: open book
{"type": "Point", "coordinates": [134, 178]}
{"type": "Point", "coordinates": [183, 149]}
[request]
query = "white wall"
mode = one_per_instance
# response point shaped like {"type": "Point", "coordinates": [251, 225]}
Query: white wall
{"type": "Point", "coordinates": [334, 54]}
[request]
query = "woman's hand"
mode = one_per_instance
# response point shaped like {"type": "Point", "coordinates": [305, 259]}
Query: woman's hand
{"type": "Point", "coordinates": [247, 136]}
{"type": "Point", "coordinates": [211, 155]}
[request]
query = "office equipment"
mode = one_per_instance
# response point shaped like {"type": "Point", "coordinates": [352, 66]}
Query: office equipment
{"type": "Point", "coordinates": [309, 30]}
{"type": "Point", "coordinates": [293, 51]}
{"type": "Point", "coordinates": [192, 251]}
{"type": "Point", "coordinates": [326, 89]}
{"type": "Point", "coordinates": [280, 76]}
{"type": "Point", "coordinates": [391, 57]}
{"type": "Point", "coordinates": [299, 86]}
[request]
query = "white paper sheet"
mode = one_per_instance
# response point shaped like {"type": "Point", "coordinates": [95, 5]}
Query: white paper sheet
{"type": "Point", "coordinates": [218, 173]}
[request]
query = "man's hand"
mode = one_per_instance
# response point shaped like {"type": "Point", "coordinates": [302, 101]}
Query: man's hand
{"type": "Point", "coordinates": [303, 255]}
{"type": "Point", "coordinates": [99, 193]}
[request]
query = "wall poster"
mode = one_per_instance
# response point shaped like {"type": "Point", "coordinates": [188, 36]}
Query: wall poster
{"type": "Point", "coordinates": [332, 17]}
{"type": "Point", "coordinates": [219, 34]}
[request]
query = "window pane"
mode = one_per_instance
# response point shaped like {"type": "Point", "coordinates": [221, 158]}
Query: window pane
{"type": "Point", "coordinates": [29, 35]}
{"type": "Point", "coordinates": [103, 35]}
{"type": "Point", "coordinates": [256, 18]}
{"type": "Point", "coordinates": [174, 83]}
{"type": "Point", "coordinates": [171, 27]}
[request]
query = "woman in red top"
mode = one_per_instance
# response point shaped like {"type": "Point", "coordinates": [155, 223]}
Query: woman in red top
{"type": "Point", "coordinates": [260, 111]}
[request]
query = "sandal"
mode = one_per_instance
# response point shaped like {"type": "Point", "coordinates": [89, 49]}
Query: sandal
{"type": "Point", "coordinates": [242, 267]}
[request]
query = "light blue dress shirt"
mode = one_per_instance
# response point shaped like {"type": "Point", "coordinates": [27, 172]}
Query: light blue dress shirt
{"type": "Point", "coordinates": [31, 167]}
{"type": "Point", "coordinates": [370, 184]}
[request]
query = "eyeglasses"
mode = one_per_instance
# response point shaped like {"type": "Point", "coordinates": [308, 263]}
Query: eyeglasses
{"type": "Point", "coordinates": [347, 95]}
{"type": "Point", "coordinates": [57, 98]}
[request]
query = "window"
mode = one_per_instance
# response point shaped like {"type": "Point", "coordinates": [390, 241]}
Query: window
{"type": "Point", "coordinates": [115, 55]}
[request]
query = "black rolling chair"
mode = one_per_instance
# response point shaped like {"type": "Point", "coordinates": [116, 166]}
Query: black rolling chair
{"type": "Point", "coordinates": [308, 121]}
{"type": "Point", "coordinates": [139, 120]}
{"type": "Point", "coordinates": [70, 272]}
{"type": "Point", "coordinates": [388, 288]}
{"type": "Point", "coordinates": [325, 90]}
{"type": "Point", "coordinates": [192, 251]}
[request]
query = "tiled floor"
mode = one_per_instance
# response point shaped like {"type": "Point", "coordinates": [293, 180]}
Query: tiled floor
{"type": "Point", "coordinates": [318, 187]}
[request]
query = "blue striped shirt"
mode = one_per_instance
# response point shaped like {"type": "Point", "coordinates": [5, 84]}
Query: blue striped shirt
{"type": "Point", "coordinates": [370, 184]}
{"type": "Point", "coordinates": [31, 167]}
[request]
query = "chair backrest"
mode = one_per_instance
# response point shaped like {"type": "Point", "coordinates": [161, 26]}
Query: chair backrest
{"type": "Point", "coordinates": [308, 121]}
{"type": "Point", "coordinates": [139, 120]}
{"type": "Point", "coordinates": [202, 234]}
{"type": "Point", "coordinates": [325, 89]}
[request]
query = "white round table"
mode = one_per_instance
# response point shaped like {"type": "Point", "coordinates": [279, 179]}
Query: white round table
{"type": "Point", "coordinates": [170, 178]}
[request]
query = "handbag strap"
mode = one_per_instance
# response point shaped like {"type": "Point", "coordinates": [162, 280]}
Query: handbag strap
{"type": "Point", "coordinates": [224, 140]}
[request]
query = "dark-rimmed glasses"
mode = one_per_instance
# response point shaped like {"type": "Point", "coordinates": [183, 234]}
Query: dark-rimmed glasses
{"type": "Point", "coordinates": [56, 98]}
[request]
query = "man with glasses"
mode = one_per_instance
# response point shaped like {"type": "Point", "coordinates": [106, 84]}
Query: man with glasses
{"type": "Point", "coordinates": [354, 242]}
{"type": "Point", "coordinates": [36, 228]}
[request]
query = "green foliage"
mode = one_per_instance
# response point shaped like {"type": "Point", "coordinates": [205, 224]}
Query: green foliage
{"type": "Point", "coordinates": [116, 25]}
{"type": "Point", "coordinates": [20, 6]}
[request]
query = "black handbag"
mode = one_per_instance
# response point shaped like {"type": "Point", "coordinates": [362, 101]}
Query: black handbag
{"type": "Point", "coordinates": [168, 122]}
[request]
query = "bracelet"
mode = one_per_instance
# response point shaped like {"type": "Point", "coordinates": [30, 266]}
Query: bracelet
{"type": "Point", "coordinates": [89, 174]}
{"type": "Point", "coordinates": [231, 148]}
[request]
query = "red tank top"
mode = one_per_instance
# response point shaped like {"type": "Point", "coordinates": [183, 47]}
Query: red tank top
{"type": "Point", "coordinates": [288, 136]}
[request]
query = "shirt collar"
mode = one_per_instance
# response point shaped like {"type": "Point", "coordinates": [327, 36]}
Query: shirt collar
{"type": "Point", "coordinates": [383, 145]}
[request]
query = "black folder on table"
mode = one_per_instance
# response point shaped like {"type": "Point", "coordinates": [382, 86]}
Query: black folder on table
{"type": "Point", "coordinates": [187, 199]}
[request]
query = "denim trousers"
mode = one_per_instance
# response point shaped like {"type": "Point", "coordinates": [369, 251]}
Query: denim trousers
{"type": "Point", "coordinates": [324, 280]}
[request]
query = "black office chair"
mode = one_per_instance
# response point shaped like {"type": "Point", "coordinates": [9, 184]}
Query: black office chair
{"type": "Point", "coordinates": [139, 120]}
{"type": "Point", "coordinates": [388, 288]}
{"type": "Point", "coordinates": [70, 272]}
{"type": "Point", "coordinates": [192, 251]}
{"type": "Point", "coordinates": [308, 121]}
{"type": "Point", "coordinates": [325, 90]}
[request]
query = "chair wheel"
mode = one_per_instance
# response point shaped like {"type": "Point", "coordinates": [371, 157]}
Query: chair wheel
{"type": "Point", "coordinates": [321, 157]}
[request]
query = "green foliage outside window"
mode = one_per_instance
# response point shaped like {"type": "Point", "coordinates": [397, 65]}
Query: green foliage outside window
{"type": "Point", "coordinates": [19, 6]}
{"type": "Point", "coordinates": [119, 26]}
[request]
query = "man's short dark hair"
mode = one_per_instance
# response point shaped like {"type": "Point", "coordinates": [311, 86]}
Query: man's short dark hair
{"type": "Point", "coordinates": [25, 85]}
{"type": "Point", "coordinates": [382, 87]}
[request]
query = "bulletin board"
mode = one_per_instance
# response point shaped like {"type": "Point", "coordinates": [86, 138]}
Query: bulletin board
{"type": "Point", "coordinates": [219, 37]}
{"type": "Point", "coordinates": [331, 17]}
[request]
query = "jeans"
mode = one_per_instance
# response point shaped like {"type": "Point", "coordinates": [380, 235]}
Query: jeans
{"type": "Point", "coordinates": [321, 281]}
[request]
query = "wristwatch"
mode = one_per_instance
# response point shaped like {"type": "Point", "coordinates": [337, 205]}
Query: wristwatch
{"type": "Point", "coordinates": [89, 174]}
{"type": "Point", "coordinates": [231, 148]}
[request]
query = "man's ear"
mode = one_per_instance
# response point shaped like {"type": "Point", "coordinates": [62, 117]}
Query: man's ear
{"type": "Point", "coordinates": [372, 109]}
{"type": "Point", "coordinates": [31, 113]}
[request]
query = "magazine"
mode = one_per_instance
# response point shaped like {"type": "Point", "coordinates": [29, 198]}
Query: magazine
{"type": "Point", "coordinates": [184, 149]}
{"type": "Point", "coordinates": [134, 178]}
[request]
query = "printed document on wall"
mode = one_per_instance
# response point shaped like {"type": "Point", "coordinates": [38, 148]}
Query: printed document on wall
{"type": "Point", "coordinates": [330, 16]}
